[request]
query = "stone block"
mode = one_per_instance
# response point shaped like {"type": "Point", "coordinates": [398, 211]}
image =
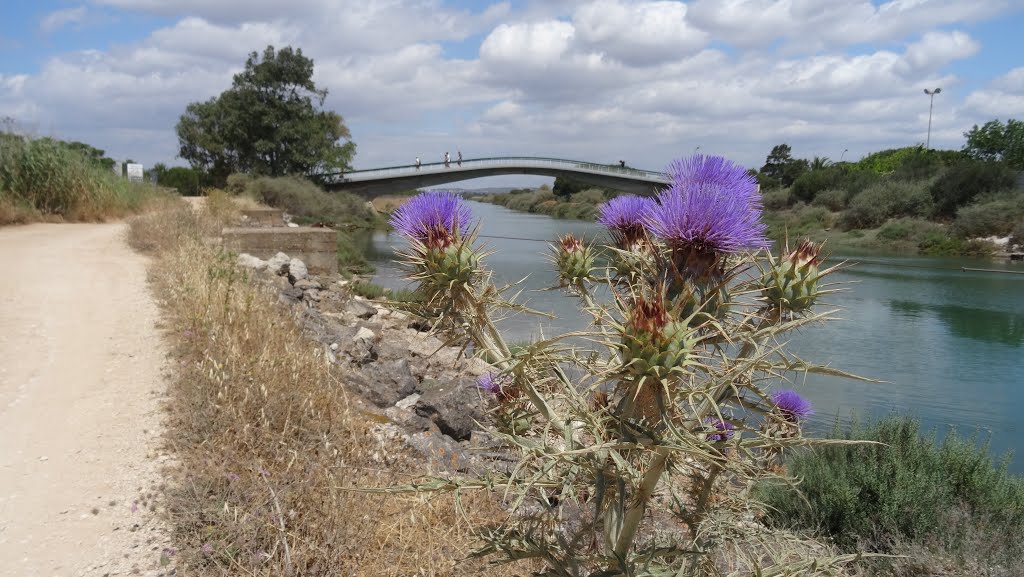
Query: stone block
{"type": "Point", "coordinates": [316, 247]}
{"type": "Point", "coordinates": [263, 216]}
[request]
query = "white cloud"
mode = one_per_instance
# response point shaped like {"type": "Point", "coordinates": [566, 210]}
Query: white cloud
{"type": "Point", "coordinates": [1003, 98]}
{"type": "Point", "coordinates": [641, 34]}
{"type": "Point", "coordinates": [56, 20]}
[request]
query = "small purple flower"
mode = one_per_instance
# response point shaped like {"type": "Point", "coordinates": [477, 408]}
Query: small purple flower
{"type": "Point", "coordinates": [792, 406]}
{"type": "Point", "coordinates": [726, 429]}
{"type": "Point", "coordinates": [438, 219]}
{"type": "Point", "coordinates": [625, 217]}
{"type": "Point", "coordinates": [232, 477]}
{"type": "Point", "coordinates": [206, 548]}
{"type": "Point", "coordinates": [711, 209]}
{"type": "Point", "coordinates": [491, 383]}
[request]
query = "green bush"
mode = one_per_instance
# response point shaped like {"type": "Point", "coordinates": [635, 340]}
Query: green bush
{"type": "Point", "coordinates": [776, 198]}
{"type": "Point", "coordinates": [908, 229]}
{"type": "Point", "coordinates": [886, 199]}
{"type": "Point", "coordinates": [809, 184]}
{"type": "Point", "coordinates": [833, 199]}
{"type": "Point", "coordinates": [902, 488]}
{"type": "Point", "coordinates": [996, 218]}
{"type": "Point", "coordinates": [962, 183]}
{"type": "Point", "coordinates": [309, 203]}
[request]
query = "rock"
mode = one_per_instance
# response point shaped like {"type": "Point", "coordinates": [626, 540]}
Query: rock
{"type": "Point", "coordinates": [360, 309]}
{"type": "Point", "coordinates": [278, 264]}
{"type": "Point", "coordinates": [290, 296]}
{"type": "Point", "coordinates": [334, 346]}
{"type": "Point", "coordinates": [311, 295]}
{"type": "Point", "coordinates": [364, 334]}
{"type": "Point", "coordinates": [292, 225]}
{"type": "Point", "coordinates": [308, 283]}
{"type": "Point", "coordinates": [297, 270]}
{"type": "Point", "coordinates": [248, 261]}
{"type": "Point", "coordinates": [454, 406]}
{"type": "Point", "coordinates": [384, 384]}
{"type": "Point", "coordinates": [442, 451]}
{"type": "Point", "coordinates": [408, 402]}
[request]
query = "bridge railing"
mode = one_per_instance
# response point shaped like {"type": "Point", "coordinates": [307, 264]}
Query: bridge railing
{"type": "Point", "coordinates": [497, 162]}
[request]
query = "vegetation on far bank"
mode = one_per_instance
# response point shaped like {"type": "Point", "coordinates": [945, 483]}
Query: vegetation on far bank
{"type": "Point", "coordinates": [49, 179]}
{"type": "Point", "coordinates": [946, 507]}
{"type": "Point", "coordinates": [933, 202]}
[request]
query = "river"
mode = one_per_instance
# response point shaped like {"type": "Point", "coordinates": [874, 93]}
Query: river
{"type": "Point", "coordinates": [947, 343]}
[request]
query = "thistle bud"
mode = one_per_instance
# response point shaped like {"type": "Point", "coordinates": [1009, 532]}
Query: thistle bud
{"type": "Point", "coordinates": [654, 345]}
{"type": "Point", "coordinates": [457, 265]}
{"type": "Point", "coordinates": [573, 260]}
{"type": "Point", "coordinates": [791, 283]}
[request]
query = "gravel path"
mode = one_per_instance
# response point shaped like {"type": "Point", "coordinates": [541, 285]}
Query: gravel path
{"type": "Point", "coordinates": [80, 386]}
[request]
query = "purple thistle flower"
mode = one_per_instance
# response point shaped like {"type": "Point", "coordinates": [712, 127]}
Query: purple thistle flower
{"type": "Point", "coordinates": [792, 406]}
{"type": "Point", "coordinates": [435, 218]}
{"type": "Point", "coordinates": [712, 208]}
{"type": "Point", "coordinates": [625, 217]}
{"type": "Point", "coordinates": [725, 428]}
{"type": "Point", "coordinates": [206, 548]}
{"type": "Point", "coordinates": [490, 383]}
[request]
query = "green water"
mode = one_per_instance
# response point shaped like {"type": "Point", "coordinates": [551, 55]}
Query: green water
{"type": "Point", "coordinates": [949, 344]}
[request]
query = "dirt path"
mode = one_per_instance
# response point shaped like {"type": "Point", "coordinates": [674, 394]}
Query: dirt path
{"type": "Point", "coordinates": [80, 379]}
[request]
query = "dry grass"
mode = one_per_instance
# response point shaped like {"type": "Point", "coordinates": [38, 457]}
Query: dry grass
{"type": "Point", "coordinates": [268, 440]}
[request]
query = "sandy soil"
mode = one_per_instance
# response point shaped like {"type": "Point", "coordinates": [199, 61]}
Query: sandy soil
{"type": "Point", "coordinates": [80, 385]}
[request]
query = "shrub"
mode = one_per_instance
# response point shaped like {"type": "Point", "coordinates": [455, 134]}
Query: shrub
{"type": "Point", "coordinates": [309, 203]}
{"type": "Point", "coordinates": [833, 199]}
{"type": "Point", "coordinates": [903, 488]}
{"type": "Point", "coordinates": [593, 196]}
{"type": "Point", "coordinates": [809, 184]}
{"type": "Point", "coordinates": [908, 229]}
{"type": "Point", "coordinates": [962, 183]}
{"type": "Point", "coordinates": [992, 218]}
{"type": "Point", "coordinates": [886, 199]}
{"type": "Point", "coordinates": [777, 198]}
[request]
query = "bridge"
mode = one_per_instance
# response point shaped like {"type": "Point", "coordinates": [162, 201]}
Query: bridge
{"type": "Point", "coordinates": [379, 181]}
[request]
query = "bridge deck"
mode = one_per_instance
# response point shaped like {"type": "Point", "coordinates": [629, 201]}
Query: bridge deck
{"type": "Point", "coordinates": [378, 181]}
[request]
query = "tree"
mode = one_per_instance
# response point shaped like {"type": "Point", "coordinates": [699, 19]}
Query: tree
{"type": "Point", "coordinates": [270, 122]}
{"type": "Point", "coordinates": [565, 187]}
{"type": "Point", "coordinates": [781, 167]}
{"type": "Point", "coordinates": [995, 141]}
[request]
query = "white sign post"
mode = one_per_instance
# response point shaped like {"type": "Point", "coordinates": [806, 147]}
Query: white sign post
{"type": "Point", "coordinates": [118, 169]}
{"type": "Point", "coordinates": [134, 172]}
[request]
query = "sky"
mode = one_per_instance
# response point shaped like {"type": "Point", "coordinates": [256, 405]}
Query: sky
{"type": "Point", "coordinates": [600, 81]}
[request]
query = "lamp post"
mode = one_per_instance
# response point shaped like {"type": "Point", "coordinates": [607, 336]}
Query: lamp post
{"type": "Point", "coordinates": [843, 154]}
{"type": "Point", "coordinates": [931, 94]}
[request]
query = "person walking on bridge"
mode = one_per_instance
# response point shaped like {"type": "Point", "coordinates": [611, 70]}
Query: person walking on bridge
{"type": "Point", "coordinates": [460, 157]}
{"type": "Point", "coordinates": [447, 159]}
{"type": "Point", "coordinates": [417, 163]}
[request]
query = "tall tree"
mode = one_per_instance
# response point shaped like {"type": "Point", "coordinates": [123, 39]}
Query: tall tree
{"type": "Point", "coordinates": [270, 122]}
{"type": "Point", "coordinates": [997, 141]}
{"type": "Point", "coordinates": [781, 167]}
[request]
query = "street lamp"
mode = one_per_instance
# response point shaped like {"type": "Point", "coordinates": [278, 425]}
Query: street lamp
{"type": "Point", "coordinates": [931, 103]}
{"type": "Point", "coordinates": [845, 150]}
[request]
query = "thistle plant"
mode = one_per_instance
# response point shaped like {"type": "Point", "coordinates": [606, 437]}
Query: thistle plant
{"type": "Point", "coordinates": [635, 454]}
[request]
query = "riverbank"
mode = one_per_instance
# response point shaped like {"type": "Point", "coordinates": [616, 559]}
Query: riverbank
{"type": "Point", "coordinates": [903, 235]}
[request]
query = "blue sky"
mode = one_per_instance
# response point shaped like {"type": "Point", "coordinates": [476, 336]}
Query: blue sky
{"type": "Point", "coordinates": [599, 80]}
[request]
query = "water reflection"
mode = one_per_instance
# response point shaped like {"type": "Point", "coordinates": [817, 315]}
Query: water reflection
{"type": "Point", "coordinates": [1002, 327]}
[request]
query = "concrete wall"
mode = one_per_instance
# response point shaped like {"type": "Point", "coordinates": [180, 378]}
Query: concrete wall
{"type": "Point", "coordinates": [263, 217]}
{"type": "Point", "coordinates": [317, 247]}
